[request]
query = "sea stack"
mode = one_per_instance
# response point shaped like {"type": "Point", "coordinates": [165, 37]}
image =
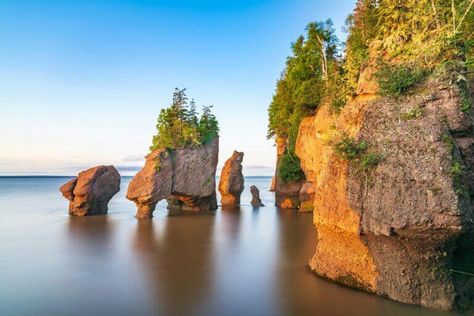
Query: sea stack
{"type": "Point", "coordinates": [90, 192]}
{"type": "Point", "coordinates": [256, 201]}
{"type": "Point", "coordinates": [231, 183]}
{"type": "Point", "coordinates": [184, 176]}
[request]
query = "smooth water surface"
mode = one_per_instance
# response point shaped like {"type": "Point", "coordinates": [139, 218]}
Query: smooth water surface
{"type": "Point", "coordinates": [232, 262]}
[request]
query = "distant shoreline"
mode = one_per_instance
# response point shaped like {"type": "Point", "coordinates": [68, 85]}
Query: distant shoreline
{"type": "Point", "coordinates": [73, 176]}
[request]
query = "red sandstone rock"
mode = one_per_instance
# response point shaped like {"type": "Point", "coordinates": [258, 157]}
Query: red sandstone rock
{"type": "Point", "coordinates": [183, 176]}
{"type": "Point", "coordinates": [231, 182]}
{"type": "Point", "coordinates": [91, 191]}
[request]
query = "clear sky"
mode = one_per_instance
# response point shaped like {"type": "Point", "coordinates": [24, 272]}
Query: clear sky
{"type": "Point", "coordinates": [82, 81]}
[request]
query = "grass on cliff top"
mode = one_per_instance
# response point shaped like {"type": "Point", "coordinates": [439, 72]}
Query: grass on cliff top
{"type": "Point", "coordinates": [395, 80]}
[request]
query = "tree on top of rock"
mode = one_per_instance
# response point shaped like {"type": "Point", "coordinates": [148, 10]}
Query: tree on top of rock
{"type": "Point", "coordinates": [303, 85]}
{"type": "Point", "coordinates": [179, 125]}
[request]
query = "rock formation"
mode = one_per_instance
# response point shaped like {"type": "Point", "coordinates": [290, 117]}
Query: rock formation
{"type": "Point", "coordinates": [256, 201]}
{"type": "Point", "coordinates": [287, 194]}
{"type": "Point", "coordinates": [185, 176]}
{"type": "Point", "coordinates": [273, 185]}
{"type": "Point", "coordinates": [231, 183]}
{"type": "Point", "coordinates": [398, 230]}
{"type": "Point", "coordinates": [307, 197]}
{"type": "Point", "coordinates": [90, 192]}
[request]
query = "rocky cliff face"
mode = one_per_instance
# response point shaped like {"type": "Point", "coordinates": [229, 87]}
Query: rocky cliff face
{"type": "Point", "coordinates": [287, 194]}
{"type": "Point", "coordinates": [399, 229]}
{"type": "Point", "coordinates": [231, 182]}
{"type": "Point", "coordinates": [90, 192]}
{"type": "Point", "coordinates": [307, 197]}
{"type": "Point", "coordinates": [186, 177]}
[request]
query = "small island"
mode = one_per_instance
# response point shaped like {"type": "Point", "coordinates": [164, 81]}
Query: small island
{"type": "Point", "coordinates": [181, 166]}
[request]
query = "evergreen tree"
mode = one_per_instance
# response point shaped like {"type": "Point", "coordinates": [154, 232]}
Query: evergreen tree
{"type": "Point", "coordinates": [179, 125]}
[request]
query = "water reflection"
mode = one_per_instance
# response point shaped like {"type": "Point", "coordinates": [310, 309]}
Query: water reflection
{"type": "Point", "coordinates": [302, 293]}
{"type": "Point", "coordinates": [242, 261]}
{"type": "Point", "coordinates": [230, 217]}
{"type": "Point", "coordinates": [90, 235]}
{"type": "Point", "coordinates": [176, 264]}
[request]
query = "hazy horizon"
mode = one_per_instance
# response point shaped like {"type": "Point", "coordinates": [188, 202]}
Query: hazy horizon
{"type": "Point", "coordinates": [83, 83]}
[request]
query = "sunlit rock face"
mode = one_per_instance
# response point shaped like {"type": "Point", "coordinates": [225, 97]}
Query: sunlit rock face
{"type": "Point", "coordinates": [90, 192]}
{"type": "Point", "coordinates": [287, 194]}
{"type": "Point", "coordinates": [185, 176]}
{"type": "Point", "coordinates": [231, 182]}
{"type": "Point", "coordinates": [402, 228]}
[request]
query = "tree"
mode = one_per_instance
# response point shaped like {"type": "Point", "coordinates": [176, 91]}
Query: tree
{"type": "Point", "coordinates": [302, 88]}
{"type": "Point", "coordinates": [179, 125]}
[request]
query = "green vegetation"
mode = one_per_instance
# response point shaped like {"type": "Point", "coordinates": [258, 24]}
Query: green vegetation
{"type": "Point", "coordinates": [348, 148]}
{"type": "Point", "coordinates": [457, 167]}
{"type": "Point", "coordinates": [399, 34]}
{"type": "Point", "coordinates": [395, 80]}
{"type": "Point", "coordinates": [179, 125]}
{"type": "Point", "coordinates": [301, 89]}
{"type": "Point", "coordinates": [465, 95]}
{"type": "Point", "coordinates": [289, 167]}
{"type": "Point", "coordinates": [425, 33]}
{"type": "Point", "coordinates": [413, 113]}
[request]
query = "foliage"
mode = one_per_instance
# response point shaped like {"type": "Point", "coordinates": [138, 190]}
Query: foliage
{"type": "Point", "coordinates": [337, 104]}
{"type": "Point", "coordinates": [348, 148]}
{"type": "Point", "coordinates": [370, 160]}
{"type": "Point", "coordinates": [395, 80]}
{"type": "Point", "coordinates": [413, 113]}
{"type": "Point", "coordinates": [361, 27]}
{"type": "Point", "coordinates": [179, 125]}
{"type": "Point", "coordinates": [400, 33]}
{"type": "Point", "coordinates": [289, 167]}
{"type": "Point", "coordinates": [302, 87]}
{"type": "Point", "coordinates": [409, 32]}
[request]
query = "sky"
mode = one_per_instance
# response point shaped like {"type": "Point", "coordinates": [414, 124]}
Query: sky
{"type": "Point", "coordinates": [82, 81]}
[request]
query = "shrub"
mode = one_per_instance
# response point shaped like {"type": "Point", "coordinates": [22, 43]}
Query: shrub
{"type": "Point", "coordinates": [337, 105]}
{"type": "Point", "coordinates": [370, 160]}
{"type": "Point", "coordinates": [395, 80]}
{"type": "Point", "coordinates": [349, 149]}
{"type": "Point", "coordinates": [413, 113]}
{"type": "Point", "coordinates": [289, 167]}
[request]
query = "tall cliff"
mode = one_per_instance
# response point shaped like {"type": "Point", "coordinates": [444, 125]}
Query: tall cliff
{"type": "Point", "coordinates": [398, 229]}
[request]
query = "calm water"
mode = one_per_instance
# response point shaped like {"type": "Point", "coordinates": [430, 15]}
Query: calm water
{"type": "Point", "coordinates": [241, 262]}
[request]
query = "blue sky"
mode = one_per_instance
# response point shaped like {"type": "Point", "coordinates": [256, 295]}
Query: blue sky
{"type": "Point", "coordinates": [82, 82]}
